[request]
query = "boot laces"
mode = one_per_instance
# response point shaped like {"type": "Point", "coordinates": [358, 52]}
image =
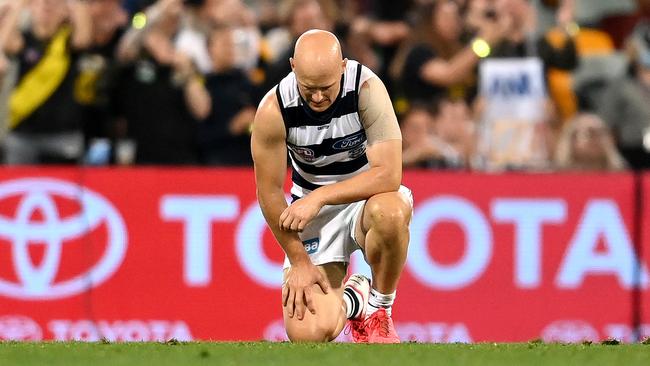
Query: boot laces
{"type": "Point", "coordinates": [380, 321]}
{"type": "Point", "coordinates": [358, 330]}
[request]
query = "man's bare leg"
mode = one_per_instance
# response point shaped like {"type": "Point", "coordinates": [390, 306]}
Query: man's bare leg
{"type": "Point", "coordinates": [330, 317]}
{"type": "Point", "coordinates": [382, 231]}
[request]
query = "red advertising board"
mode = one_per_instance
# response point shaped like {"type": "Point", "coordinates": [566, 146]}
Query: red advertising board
{"type": "Point", "coordinates": [154, 254]}
{"type": "Point", "coordinates": [553, 255]}
{"type": "Point", "coordinates": [643, 296]}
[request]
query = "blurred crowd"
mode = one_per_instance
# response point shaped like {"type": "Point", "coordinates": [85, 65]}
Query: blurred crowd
{"type": "Point", "coordinates": [488, 85]}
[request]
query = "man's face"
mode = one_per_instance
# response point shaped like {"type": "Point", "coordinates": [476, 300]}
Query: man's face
{"type": "Point", "coordinates": [222, 49]}
{"type": "Point", "coordinates": [588, 139]}
{"type": "Point", "coordinates": [319, 90]}
{"type": "Point", "coordinates": [308, 15]}
{"type": "Point", "coordinates": [48, 11]}
{"type": "Point", "coordinates": [416, 127]}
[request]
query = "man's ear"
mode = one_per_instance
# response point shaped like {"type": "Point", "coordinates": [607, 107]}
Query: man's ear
{"type": "Point", "coordinates": [293, 65]}
{"type": "Point", "coordinates": [344, 63]}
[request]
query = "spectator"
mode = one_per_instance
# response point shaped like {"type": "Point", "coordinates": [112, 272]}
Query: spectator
{"type": "Point", "coordinates": [298, 16]}
{"type": "Point", "coordinates": [160, 94]}
{"type": "Point", "coordinates": [202, 15]}
{"type": "Point", "coordinates": [4, 37]}
{"type": "Point", "coordinates": [45, 119]}
{"type": "Point", "coordinates": [454, 126]}
{"type": "Point", "coordinates": [5, 86]}
{"type": "Point", "coordinates": [587, 144]}
{"type": "Point", "coordinates": [247, 36]}
{"type": "Point", "coordinates": [192, 38]}
{"type": "Point", "coordinates": [516, 114]}
{"type": "Point", "coordinates": [625, 103]}
{"type": "Point", "coordinates": [438, 139]}
{"type": "Point", "coordinates": [224, 137]}
{"type": "Point", "coordinates": [617, 18]}
{"type": "Point", "coordinates": [6, 82]}
{"type": "Point", "coordinates": [521, 39]}
{"type": "Point", "coordinates": [266, 12]}
{"type": "Point", "coordinates": [98, 70]}
{"type": "Point", "coordinates": [419, 150]}
{"type": "Point", "coordinates": [434, 62]}
{"type": "Point", "coordinates": [383, 28]}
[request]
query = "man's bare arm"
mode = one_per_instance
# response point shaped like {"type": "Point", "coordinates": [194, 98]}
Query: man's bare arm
{"type": "Point", "coordinates": [82, 33]}
{"type": "Point", "coordinates": [132, 41]}
{"type": "Point", "coordinates": [270, 157]}
{"type": "Point", "coordinates": [11, 41]}
{"type": "Point", "coordinates": [384, 150]}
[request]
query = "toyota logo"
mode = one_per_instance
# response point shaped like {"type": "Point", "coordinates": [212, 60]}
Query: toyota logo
{"type": "Point", "coordinates": [19, 328]}
{"type": "Point", "coordinates": [570, 331]}
{"type": "Point", "coordinates": [40, 221]}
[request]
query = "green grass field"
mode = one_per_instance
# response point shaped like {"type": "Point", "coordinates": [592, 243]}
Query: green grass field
{"type": "Point", "coordinates": [286, 354]}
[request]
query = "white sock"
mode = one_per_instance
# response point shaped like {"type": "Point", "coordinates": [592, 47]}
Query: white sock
{"type": "Point", "coordinates": [378, 301]}
{"type": "Point", "coordinates": [353, 303]}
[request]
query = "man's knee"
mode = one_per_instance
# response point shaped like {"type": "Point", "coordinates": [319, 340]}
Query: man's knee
{"type": "Point", "coordinates": [329, 318]}
{"type": "Point", "coordinates": [311, 329]}
{"type": "Point", "coordinates": [388, 213]}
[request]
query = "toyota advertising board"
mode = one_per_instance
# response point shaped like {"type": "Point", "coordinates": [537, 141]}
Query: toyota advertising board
{"type": "Point", "coordinates": [518, 257]}
{"type": "Point", "coordinates": [643, 296]}
{"type": "Point", "coordinates": [155, 254]}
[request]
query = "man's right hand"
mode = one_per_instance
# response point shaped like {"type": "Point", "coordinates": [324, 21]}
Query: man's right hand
{"type": "Point", "coordinates": [297, 288]}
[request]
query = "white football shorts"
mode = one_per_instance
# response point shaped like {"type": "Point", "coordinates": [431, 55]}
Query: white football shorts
{"type": "Point", "coordinates": [329, 237]}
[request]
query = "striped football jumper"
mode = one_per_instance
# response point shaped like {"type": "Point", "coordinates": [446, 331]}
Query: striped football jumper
{"type": "Point", "coordinates": [329, 146]}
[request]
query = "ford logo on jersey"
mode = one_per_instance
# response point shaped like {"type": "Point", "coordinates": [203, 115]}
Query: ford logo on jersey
{"type": "Point", "coordinates": [311, 245]}
{"type": "Point", "coordinates": [350, 141]}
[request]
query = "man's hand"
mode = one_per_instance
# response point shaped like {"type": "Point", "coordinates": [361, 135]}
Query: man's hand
{"type": "Point", "coordinates": [300, 213]}
{"type": "Point", "coordinates": [297, 288]}
{"type": "Point", "coordinates": [183, 65]}
{"type": "Point", "coordinates": [240, 124]}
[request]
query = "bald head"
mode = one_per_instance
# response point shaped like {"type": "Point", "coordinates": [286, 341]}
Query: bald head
{"type": "Point", "coordinates": [318, 47]}
{"type": "Point", "coordinates": [318, 64]}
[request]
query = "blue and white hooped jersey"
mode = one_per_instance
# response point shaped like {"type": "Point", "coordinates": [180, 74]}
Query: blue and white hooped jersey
{"type": "Point", "coordinates": [329, 146]}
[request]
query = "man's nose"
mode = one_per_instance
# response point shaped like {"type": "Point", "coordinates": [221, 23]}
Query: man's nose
{"type": "Point", "coordinates": [317, 97]}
